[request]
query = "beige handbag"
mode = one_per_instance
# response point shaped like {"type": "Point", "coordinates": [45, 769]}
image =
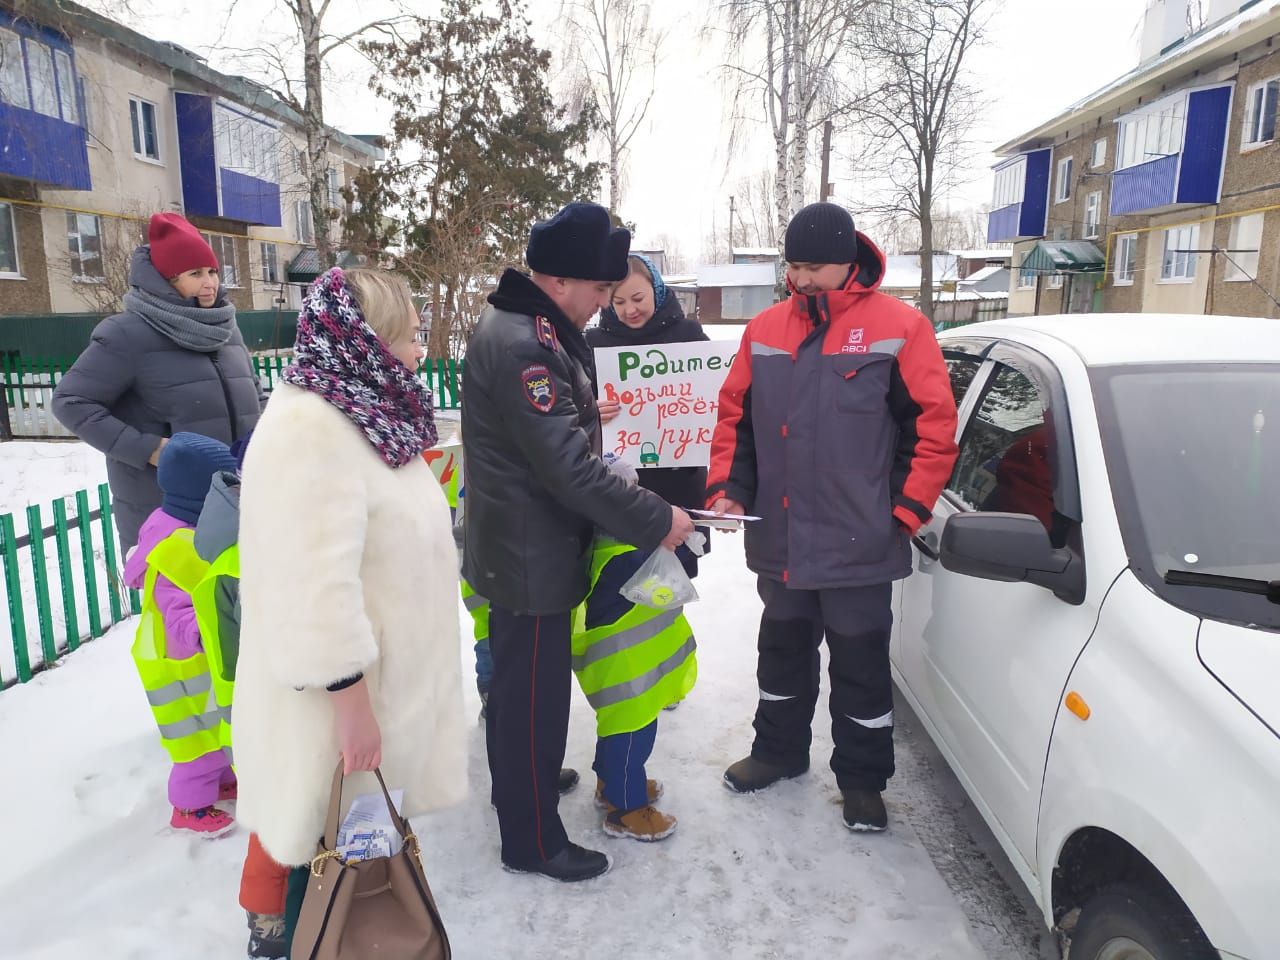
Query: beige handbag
{"type": "Point", "coordinates": [372, 908]}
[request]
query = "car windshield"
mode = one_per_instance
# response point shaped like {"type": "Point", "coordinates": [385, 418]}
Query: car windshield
{"type": "Point", "coordinates": [1194, 453]}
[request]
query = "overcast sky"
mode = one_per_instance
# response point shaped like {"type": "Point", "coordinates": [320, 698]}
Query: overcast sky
{"type": "Point", "coordinates": [680, 174]}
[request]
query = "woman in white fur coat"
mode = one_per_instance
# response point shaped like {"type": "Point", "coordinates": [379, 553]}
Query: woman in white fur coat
{"type": "Point", "coordinates": [348, 584]}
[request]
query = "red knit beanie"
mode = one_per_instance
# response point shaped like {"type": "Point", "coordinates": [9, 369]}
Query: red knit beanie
{"type": "Point", "coordinates": [176, 246]}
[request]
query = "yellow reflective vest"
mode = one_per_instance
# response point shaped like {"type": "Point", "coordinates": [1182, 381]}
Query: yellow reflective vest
{"type": "Point", "coordinates": [630, 669]}
{"type": "Point", "coordinates": [222, 654]}
{"type": "Point", "coordinates": [180, 692]}
{"type": "Point", "coordinates": [478, 607]}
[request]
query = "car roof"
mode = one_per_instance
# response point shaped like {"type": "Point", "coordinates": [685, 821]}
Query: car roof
{"type": "Point", "coordinates": [1111, 338]}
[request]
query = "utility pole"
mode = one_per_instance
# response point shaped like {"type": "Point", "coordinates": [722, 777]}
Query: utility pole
{"type": "Point", "coordinates": [824, 190]}
{"type": "Point", "coordinates": [731, 201]}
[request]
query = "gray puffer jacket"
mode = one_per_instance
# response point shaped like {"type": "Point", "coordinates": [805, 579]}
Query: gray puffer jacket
{"type": "Point", "coordinates": [133, 386]}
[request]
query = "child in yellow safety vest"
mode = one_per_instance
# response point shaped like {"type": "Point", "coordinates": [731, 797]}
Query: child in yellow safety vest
{"type": "Point", "coordinates": [168, 649]}
{"type": "Point", "coordinates": [631, 661]}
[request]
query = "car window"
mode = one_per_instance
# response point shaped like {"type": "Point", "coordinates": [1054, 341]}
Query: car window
{"type": "Point", "coordinates": [1005, 463]}
{"type": "Point", "coordinates": [962, 370]}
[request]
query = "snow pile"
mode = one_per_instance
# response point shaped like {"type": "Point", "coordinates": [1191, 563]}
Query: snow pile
{"type": "Point", "coordinates": [92, 869]}
{"type": "Point", "coordinates": [40, 472]}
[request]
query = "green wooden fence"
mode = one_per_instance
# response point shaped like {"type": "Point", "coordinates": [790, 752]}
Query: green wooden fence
{"type": "Point", "coordinates": [28, 385]}
{"type": "Point", "coordinates": [50, 616]}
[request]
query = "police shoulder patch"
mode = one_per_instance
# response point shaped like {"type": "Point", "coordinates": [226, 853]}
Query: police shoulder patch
{"type": "Point", "coordinates": [539, 387]}
{"type": "Point", "coordinates": [546, 332]}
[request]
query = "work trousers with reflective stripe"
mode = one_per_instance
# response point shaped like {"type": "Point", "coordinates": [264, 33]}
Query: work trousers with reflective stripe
{"type": "Point", "coordinates": [857, 622]}
{"type": "Point", "coordinates": [526, 723]}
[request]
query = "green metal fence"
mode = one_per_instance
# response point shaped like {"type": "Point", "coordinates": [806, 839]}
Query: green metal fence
{"type": "Point", "coordinates": [28, 385]}
{"type": "Point", "coordinates": [50, 616]}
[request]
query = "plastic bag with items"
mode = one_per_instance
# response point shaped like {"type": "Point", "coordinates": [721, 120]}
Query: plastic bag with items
{"type": "Point", "coordinates": [661, 581]}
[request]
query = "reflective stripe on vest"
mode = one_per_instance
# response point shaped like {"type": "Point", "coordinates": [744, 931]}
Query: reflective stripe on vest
{"type": "Point", "coordinates": [205, 600]}
{"type": "Point", "coordinates": [630, 669]}
{"type": "Point", "coordinates": [478, 607]}
{"type": "Point", "coordinates": [179, 691]}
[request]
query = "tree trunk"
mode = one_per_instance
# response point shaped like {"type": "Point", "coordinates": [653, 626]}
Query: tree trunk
{"type": "Point", "coordinates": [800, 119]}
{"type": "Point", "coordinates": [317, 134]}
{"type": "Point", "coordinates": [781, 122]}
{"type": "Point", "coordinates": [926, 256]}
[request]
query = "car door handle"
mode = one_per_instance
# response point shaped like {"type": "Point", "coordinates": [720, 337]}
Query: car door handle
{"type": "Point", "coordinates": [927, 543]}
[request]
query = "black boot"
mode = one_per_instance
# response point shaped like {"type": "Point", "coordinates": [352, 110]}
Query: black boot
{"type": "Point", "coordinates": [864, 811]}
{"type": "Point", "coordinates": [749, 774]}
{"type": "Point", "coordinates": [570, 865]}
{"type": "Point", "coordinates": [266, 936]}
{"type": "Point", "coordinates": [568, 780]}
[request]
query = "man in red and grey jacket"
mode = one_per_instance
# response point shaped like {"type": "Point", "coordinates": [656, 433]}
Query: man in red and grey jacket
{"type": "Point", "coordinates": [837, 427]}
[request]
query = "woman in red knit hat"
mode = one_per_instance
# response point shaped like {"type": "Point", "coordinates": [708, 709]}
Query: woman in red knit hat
{"type": "Point", "coordinates": [174, 361]}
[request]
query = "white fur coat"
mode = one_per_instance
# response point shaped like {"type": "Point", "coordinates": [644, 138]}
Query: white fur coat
{"type": "Point", "coordinates": [346, 565]}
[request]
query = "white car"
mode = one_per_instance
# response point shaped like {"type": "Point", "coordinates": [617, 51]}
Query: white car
{"type": "Point", "coordinates": [1092, 631]}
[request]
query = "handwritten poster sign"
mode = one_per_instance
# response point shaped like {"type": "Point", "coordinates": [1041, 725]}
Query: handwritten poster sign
{"type": "Point", "coordinates": [669, 395]}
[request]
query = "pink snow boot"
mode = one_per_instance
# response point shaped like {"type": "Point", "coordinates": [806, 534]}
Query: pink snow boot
{"type": "Point", "coordinates": [208, 822]}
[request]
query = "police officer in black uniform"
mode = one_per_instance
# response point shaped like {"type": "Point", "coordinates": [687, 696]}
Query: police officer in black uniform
{"type": "Point", "coordinates": [536, 489]}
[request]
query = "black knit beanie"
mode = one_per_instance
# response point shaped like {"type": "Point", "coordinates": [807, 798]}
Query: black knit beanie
{"type": "Point", "coordinates": [821, 233]}
{"type": "Point", "coordinates": [579, 242]}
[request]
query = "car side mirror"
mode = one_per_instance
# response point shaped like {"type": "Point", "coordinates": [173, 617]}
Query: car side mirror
{"type": "Point", "coordinates": [1013, 548]}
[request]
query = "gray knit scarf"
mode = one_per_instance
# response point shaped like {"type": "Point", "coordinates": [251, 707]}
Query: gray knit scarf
{"type": "Point", "coordinates": [203, 329]}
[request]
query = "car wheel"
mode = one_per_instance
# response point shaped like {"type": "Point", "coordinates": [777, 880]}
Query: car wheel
{"type": "Point", "coordinates": [1127, 922]}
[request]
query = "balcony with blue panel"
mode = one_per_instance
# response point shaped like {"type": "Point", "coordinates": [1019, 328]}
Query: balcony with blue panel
{"type": "Point", "coordinates": [230, 161]}
{"type": "Point", "coordinates": [1020, 205]}
{"type": "Point", "coordinates": [42, 135]}
{"type": "Point", "coordinates": [1171, 153]}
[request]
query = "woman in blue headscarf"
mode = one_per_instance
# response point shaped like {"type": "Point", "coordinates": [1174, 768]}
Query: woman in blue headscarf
{"type": "Point", "coordinates": [641, 312]}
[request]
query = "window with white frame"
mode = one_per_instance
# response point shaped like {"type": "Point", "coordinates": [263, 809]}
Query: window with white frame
{"type": "Point", "coordinates": [1155, 131]}
{"type": "Point", "coordinates": [224, 248]}
{"type": "Point", "coordinates": [142, 120]}
{"type": "Point", "coordinates": [1092, 214]}
{"type": "Point", "coordinates": [13, 74]}
{"type": "Point", "coordinates": [8, 243]}
{"type": "Point", "coordinates": [84, 245]}
{"type": "Point", "coordinates": [1055, 281]}
{"type": "Point", "coordinates": [247, 144]}
{"type": "Point", "coordinates": [1243, 247]}
{"type": "Point", "coordinates": [270, 256]}
{"type": "Point", "coordinates": [302, 221]}
{"type": "Point", "coordinates": [67, 99]}
{"type": "Point", "coordinates": [1062, 191]}
{"type": "Point", "coordinates": [1260, 108]}
{"type": "Point", "coordinates": [44, 91]}
{"type": "Point", "coordinates": [1099, 158]}
{"type": "Point", "coordinates": [1026, 278]}
{"type": "Point", "coordinates": [1010, 185]}
{"type": "Point", "coordinates": [1179, 261]}
{"type": "Point", "coordinates": [1126, 259]}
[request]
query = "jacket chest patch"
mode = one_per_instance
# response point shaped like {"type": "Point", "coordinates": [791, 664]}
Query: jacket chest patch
{"type": "Point", "coordinates": [855, 343]}
{"type": "Point", "coordinates": [539, 388]}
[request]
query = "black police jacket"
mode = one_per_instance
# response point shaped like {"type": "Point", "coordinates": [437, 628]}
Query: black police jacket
{"type": "Point", "coordinates": [536, 487]}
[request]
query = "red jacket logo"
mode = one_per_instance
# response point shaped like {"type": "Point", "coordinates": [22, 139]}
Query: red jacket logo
{"type": "Point", "coordinates": [855, 344]}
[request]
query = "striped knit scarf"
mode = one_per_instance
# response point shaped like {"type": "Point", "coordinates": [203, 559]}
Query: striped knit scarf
{"type": "Point", "coordinates": [338, 356]}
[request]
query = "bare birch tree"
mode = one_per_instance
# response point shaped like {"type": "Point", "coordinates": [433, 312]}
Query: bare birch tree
{"type": "Point", "coordinates": [617, 49]}
{"type": "Point", "coordinates": [800, 80]}
{"type": "Point", "coordinates": [918, 109]}
{"type": "Point", "coordinates": [315, 40]}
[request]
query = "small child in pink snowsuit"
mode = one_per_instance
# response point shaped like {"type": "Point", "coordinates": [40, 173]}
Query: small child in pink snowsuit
{"type": "Point", "coordinates": [185, 471]}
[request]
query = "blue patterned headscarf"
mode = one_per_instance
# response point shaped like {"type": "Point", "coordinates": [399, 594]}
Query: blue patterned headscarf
{"type": "Point", "coordinates": [659, 286]}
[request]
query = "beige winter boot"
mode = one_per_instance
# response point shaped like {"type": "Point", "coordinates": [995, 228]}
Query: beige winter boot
{"type": "Point", "coordinates": [647, 824]}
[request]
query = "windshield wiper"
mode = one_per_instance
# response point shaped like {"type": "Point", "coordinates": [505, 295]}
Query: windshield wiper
{"type": "Point", "coordinates": [1193, 578]}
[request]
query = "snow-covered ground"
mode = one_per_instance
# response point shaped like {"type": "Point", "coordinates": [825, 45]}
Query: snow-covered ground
{"type": "Point", "coordinates": [91, 868]}
{"type": "Point", "coordinates": [41, 471]}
